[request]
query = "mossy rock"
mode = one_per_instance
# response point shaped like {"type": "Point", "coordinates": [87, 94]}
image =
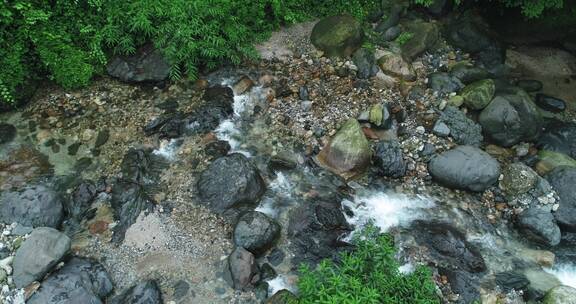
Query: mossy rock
{"type": "Point", "coordinates": [550, 160]}
{"type": "Point", "coordinates": [560, 295]}
{"type": "Point", "coordinates": [478, 94]}
{"type": "Point", "coordinates": [424, 37]}
{"type": "Point", "coordinates": [282, 297]}
{"type": "Point", "coordinates": [338, 36]}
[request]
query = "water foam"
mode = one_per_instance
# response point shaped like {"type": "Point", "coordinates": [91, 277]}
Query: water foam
{"type": "Point", "coordinates": [278, 283]}
{"type": "Point", "coordinates": [167, 149]}
{"type": "Point", "coordinates": [566, 273]}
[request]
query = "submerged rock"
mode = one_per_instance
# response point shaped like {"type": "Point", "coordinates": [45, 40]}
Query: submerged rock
{"type": "Point", "coordinates": [561, 295]}
{"type": "Point", "coordinates": [41, 251]}
{"type": "Point", "coordinates": [7, 133]}
{"type": "Point", "coordinates": [478, 95]}
{"type": "Point", "coordinates": [143, 293]}
{"type": "Point", "coordinates": [348, 152]}
{"type": "Point", "coordinates": [147, 64]}
{"type": "Point", "coordinates": [256, 232]}
{"type": "Point", "coordinates": [338, 35]}
{"type": "Point", "coordinates": [560, 137]}
{"type": "Point", "coordinates": [79, 281]}
{"type": "Point", "coordinates": [563, 180]}
{"type": "Point", "coordinates": [33, 206]}
{"type": "Point", "coordinates": [463, 129]}
{"type": "Point", "coordinates": [539, 225]}
{"type": "Point", "coordinates": [389, 159]}
{"type": "Point", "coordinates": [510, 119]}
{"type": "Point", "coordinates": [230, 181]}
{"type": "Point", "coordinates": [549, 103]}
{"type": "Point", "coordinates": [243, 268]}
{"type": "Point", "coordinates": [465, 167]}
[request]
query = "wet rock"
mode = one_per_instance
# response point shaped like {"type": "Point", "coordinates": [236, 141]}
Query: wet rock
{"type": "Point", "coordinates": [424, 37]}
{"type": "Point", "coordinates": [394, 65]}
{"type": "Point", "coordinates": [478, 95]}
{"type": "Point", "coordinates": [256, 232]}
{"type": "Point", "coordinates": [267, 272]}
{"type": "Point", "coordinates": [348, 152]}
{"type": "Point", "coordinates": [337, 36]}
{"type": "Point", "coordinates": [539, 226]}
{"type": "Point", "coordinates": [230, 181]}
{"type": "Point", "coordinates": [441, 129]}
{"type": "Point", "coordinates": [465, 167]}
{"type": "Point", "coordinates": [549, 103]}
{"type": "Point", "coordinates": [217, 148]}
{"type": "Point", "coordinates": [563, 180]}
{"type": "Point", "coordinates": [43, 249]}
{"type": "Point", "coordinates": [243, 268]}
{"type": "Point", "coordinates": [102, 138]}
{"type": "Point", "coordinates": [464, 130]}
{"type": "Point", "coordinates": [315, 229]}
{"type": "Point", "coordinates": [391, 33]}
{"type": "Point", "coordinates": [389, 159]}
{"type": "Point", "coordinates": [444, 83]}
{"type": "Point", "coordinates": [474, 36]}
{"type": "Point", "coordinates": [32, 206]}
{"type": "Point", "coordinates": [284, 297]}
{"type": "Point", "coordinates": [510, 119]}
{"type": "Point", "coordinates": [540, 283]}
{"type": "Point", "coordinates": [283, 161]}
{"type": "Point", "coordinates": [509, 281]}
{"type": "Point", "coordinates": [518, 179]}
{"type": "Point", "coordinates": [77, 207]}
{"type": "Point", "coordinates": [529, 85]}
{"type": "Point", "coordinates": [468, 74]}
{"type": "Point", "coordinates": [79, 281]}
{"type": "Point", "coordinates": [549, 161]}
{"type": "Point", "coordinates": [560, 138]}
{"type": "Point", "coordinates": [243, 85]}
{"type": "Point", "coordinates": [463, 283]}
{"type": "Point", "coordinates": [448, 247]}
{"type": "Point", "coordinates": [7, 133]}
{"type": "Point", "coordinates": [365, 62]}
{"type": "Point", "coordinates": [143, 293]}
{"type": "Point", "coordinates": [146, 65]}
{"type": "Point", "coordinates": [276, 257]}
{"type": "Point", "coordinates": [561, 295]}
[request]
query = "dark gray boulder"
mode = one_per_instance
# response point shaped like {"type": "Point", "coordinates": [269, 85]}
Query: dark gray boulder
{"type": "Point", "coordinates": [444, 83]}
{"type": "Point", "coordinates": [243, 268]}
{"type": "Point", "coordinates": [389, 159]}
{"type": "Point", "coordinates": [33, 206]}
{"type": "Point", "coordinates": [463, 129]}
{"type": "Point", "coordinates": [559, 137]}
{"type": "Point", "coordinates": [146, 65]}
{"type": "Point", "coordinates": [230, 181]}
{"type": "Point", "coordinates": [7, 133]}
{"type": "Point", "coordinates": [563, 179]}
{"type": "Point", "coordinates": [43, 249]}
{"type": "Point", "coordinates": [510, 119]}
{"type": "Point", "coordinates": [256, 232]}
{"type": "Point", "coordinates": [540, 226]}
{"type": "Point", "coordinates": [79, 281]}
{"type": "Point", "coordinates": [146, 292]}
{"type": "Point", "coordinates": [365, 62]}
{"type": "Point", "coordinates": [465, 167]}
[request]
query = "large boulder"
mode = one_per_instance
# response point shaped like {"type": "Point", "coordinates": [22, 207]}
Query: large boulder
{"type": "Point", "coordinates": [338, 36]}
{"type": "Point", "coordinates": [561, 295]}
{"type": "Point", "coordinates": [424, 36]}
{"type": "Point", "coordinates": [38, 254]}
{"type": "Point", "coordinates": [465, 167]}
{"type": "Point", "coordinates": [146, 292]}
{"type": "Point", "coordinates": [146, 65]}
{"type": "Point", "coordinates": [230, 181]}
{"type": "Point", "coordinates": [79, 281]}
{"type": "Point", "coordinates": [256, 232]}
{"type": "Point", "coordinates": [510, 119]}
{"type": "Point", "coordinates": [348, 152]}
{"type": "Point", "coordinates": [563, 180]}
{"type": "Point", "coordinates": [389, 159]}
{"type": "Point", "coordinates": [540, 226]}
{"type": "Point", "coordinates": [478, 94]}
{"type": "Point", "coordinates": [394, 65]}
{"type": "Point", "coordinates": [243, 268]}
{"type": "Point", "coordinates": [463, 129]}
{"type": "Point", "coordinates": [33, 206]}
{"type": "Point", "coordinates": [560, 137]}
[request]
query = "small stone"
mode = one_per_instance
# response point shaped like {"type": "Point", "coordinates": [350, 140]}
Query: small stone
{"type": "Point", "coordinates": [420, 130]}
{"type": "Point", "coordinates": [441, 129]}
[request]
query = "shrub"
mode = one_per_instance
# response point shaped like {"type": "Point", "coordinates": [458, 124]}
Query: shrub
{"type": "Point", "coordinates": [367, 275]}
{"type": "Point", "coordinates": [404, 37]}
{"type": "Point", "coordinates": [530, 8]}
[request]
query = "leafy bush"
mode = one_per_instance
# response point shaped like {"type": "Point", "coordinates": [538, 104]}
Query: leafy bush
{"type": "Point", "coordinates": [68, 40]}
{"type": "Point", "coordinates": [367, 275]}
{"type": "Point", "coordinates": [404, 37]}
{"type": "Point", "coordinates": [530, 8]}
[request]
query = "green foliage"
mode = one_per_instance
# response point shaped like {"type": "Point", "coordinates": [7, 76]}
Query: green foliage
{"type": "Point", "coordinates": [368, 275]}
{"type": "Point", "coordinates": [404, 37]}
{"type": "Point", "coordinates": [530, 8]}
{"type": "Point", "coordinates": [68, 40]}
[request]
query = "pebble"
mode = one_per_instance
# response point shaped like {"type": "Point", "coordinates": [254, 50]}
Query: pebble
{"type": "Point", "coordinates": [420, 130]}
